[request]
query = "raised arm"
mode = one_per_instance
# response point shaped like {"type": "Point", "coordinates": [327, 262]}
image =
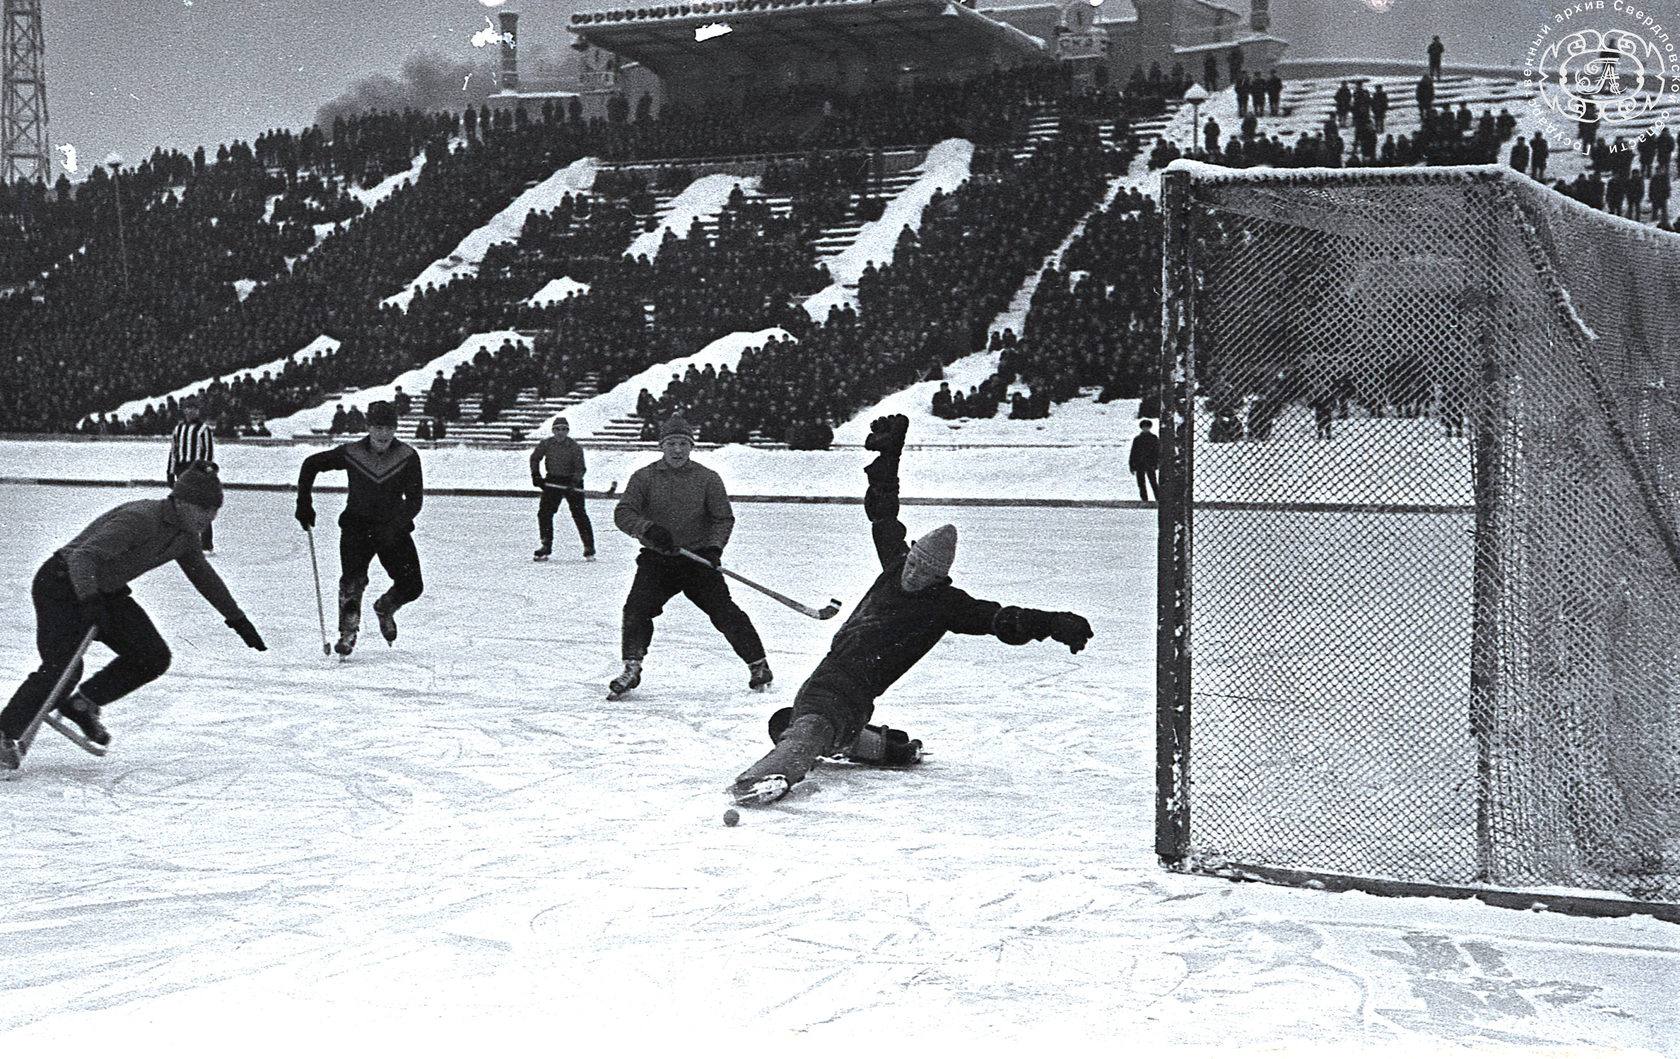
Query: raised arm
{"type": "Point", "coordinates": [880, 499]}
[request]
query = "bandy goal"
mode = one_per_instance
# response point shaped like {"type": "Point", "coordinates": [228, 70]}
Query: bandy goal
{"type": "Point", "coordinates": [1419, 593]}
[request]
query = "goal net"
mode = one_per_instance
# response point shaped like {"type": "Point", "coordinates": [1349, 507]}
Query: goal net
{"type": "Point", "coordinates": [1420, 579]}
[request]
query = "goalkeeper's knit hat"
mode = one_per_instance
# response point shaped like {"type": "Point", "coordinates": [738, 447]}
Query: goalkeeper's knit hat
{"type": "Point", "coordinates": [198, 485]}
{"type": "Point", "coordinates": [937, 550]}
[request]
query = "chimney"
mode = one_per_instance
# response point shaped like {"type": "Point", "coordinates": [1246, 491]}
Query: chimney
{"type": "Point", "coordinates": [1260, 15]}
{"type": "Point", "coordinates": [510, 46]}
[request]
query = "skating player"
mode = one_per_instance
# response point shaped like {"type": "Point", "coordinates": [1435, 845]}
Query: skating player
{"type": "Point", "coordinates": [669, 505]}
{"type": "Point", "coordinates": [85, 583]}
{"type": "Point", "coordinates": [563, 480]}
{"type": "Point", "coordinates": [385, 496]}
{"type": "Point", "coordinates": [908, 609]}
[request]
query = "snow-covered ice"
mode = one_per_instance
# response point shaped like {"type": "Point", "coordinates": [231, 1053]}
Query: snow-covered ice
{"type": "Point", "coordinates": [456, 842]}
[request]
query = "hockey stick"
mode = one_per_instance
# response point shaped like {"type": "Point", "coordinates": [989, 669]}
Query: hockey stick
{"type": "Point", "coordinates": [320, 608]}
{"type": "Point", "coordinates": [58, 690]}
{"type": "Point", "coordinates": [825, 613]}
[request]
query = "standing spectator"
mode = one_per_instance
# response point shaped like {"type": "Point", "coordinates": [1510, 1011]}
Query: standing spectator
{"type": "Point", "coordinates": [85, 584]}
{"type": "Point", "coordinates": [1425, 96]}
{"type": "Point", "coordinates": [1659, 196]}
{"type": "Point", "coordinates": [1210, 73]}
{"type": "Point", "coordinates": [1144, 461]}
{"type": "Point", "coordinates": [1210, 136]}
{"type": "Point", "coordinates": [192, 442]}
{"type": "Point", "coordinates": [1379, 108]}
{"type": "Point", "coordinates": [386, 492]}
{"type": "Point", "coordinates": [1519, 155]}
{"type": "Point", "coordinates": [1240, 88]}
{"type": "Point", "coordinates": [671, 505]}
{"type": "Point", "coordinates": [402, 401]}
{"type": "Point", "coordinates": [1665, 149]}
{"type": "Point", "coordinates": [1436, 50]}
{"type": "Point", "coordinates": [563, 477]}
{"type": "Point", "coordinates": [1537, 157]}
{"type": "Point", "coordinates": [1344, 103]}
{"type": "Point", "coordinates": [1633, 185]}
{"type": "Point", "coordinates": [1274, 92]}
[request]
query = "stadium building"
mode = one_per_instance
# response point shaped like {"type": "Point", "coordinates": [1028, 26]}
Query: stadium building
{"type": "Point", "coordinates": [729, 52]}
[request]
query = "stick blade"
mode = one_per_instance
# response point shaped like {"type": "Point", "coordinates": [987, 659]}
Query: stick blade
{"type": "Point", "coordinates": [829, 611]}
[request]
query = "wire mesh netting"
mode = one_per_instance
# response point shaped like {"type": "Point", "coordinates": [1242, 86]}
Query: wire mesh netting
{"type": "Point", "coordinates": [1426, 452]}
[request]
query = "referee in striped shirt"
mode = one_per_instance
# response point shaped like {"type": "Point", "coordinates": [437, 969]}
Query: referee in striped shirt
{"type": "Point", "coordinates": [191, 442]}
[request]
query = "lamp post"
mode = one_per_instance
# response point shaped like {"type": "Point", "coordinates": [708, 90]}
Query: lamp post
{"type": "Point", "coordinates": [1195, 95]}
{"type": "Point", "coordinates": [113, 162]}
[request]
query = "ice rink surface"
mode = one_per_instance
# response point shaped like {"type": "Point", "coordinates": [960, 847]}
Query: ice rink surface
{"type": "Point", "coordinates": [457, 842]}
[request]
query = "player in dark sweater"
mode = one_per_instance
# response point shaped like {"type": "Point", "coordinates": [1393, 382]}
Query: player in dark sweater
{"type": "Point", "coordinates": [909, 608]}
{"type": "Point", "coordinates": [385, 496]}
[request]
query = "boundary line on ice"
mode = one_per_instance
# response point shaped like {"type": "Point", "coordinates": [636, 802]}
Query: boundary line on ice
{"type": "Point", "coordinates": [768, 498]}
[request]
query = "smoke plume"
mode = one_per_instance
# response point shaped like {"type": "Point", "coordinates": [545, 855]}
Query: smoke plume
{"type": "Point", "coordinates": [428, 82]}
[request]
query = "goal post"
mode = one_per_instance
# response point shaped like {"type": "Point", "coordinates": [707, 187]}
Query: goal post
{"type": "Point", "coordinates": [1419, 578]}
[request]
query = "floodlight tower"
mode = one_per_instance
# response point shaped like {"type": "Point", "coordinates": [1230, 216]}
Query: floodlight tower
{"type": "Point", "coordinates": [23, 98]}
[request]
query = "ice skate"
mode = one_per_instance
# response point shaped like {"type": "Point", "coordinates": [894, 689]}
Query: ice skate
{"type": "Point", "coordinates": [387, 616]}
{"type": "Point", "coordinates": [589, 555]}
{"type": "Point", "coordinates": [541, 554]}
{"type": "Point", "coordinates": [11, 755]}
{"type": "Point", "coordinates": [758, 674]}
{"type": "Point", "coordinates": [349, 615]}
{"type": "Point", "coordinates": [630, 678]}
{"type": "Point", "coordinates": [79, 721]}
{"type": "Point", "coordinates": [346, 643]}
{"type": "Point", "coordinates": [774, 774]}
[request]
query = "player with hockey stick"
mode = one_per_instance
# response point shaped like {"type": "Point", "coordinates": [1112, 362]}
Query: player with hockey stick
{"type": "Point", "coordinates": [386, 492]}
{"type": "Point", "coordinates": [908, 609]}
{"type": "Point", "coordinates": [673, 505]}
{"type": "Point", "coordinates": [562, 458]}
{"type": "Point", "coordinates": [85, 584]}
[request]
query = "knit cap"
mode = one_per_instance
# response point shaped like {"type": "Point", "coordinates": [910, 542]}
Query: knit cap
{"type": "Point", "coordinates": [936, 550]}
{"type": "Point", "coordinates": [382, 414]}
{"type": "Point", "coordinates": [674, 427]}
{"type": "Point", "coordinates": [197, 485]}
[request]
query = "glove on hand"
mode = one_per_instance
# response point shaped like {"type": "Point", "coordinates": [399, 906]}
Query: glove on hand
{"type": "Point", "coordinates": [886, 434]}
{"type": "Point", "coordinates": [306, 514]}
{"type": "Point", "coordinates": [1071, 629]}
{"type": "Point", "coordinates": [247, 632]}
{"type": "Point", "coordinates": [1019, 625]}
{"type": "Point", "coordinates": [711, 554]}
{"type": "Point", "coordinates": [536, 481]}
{"type": "Point", "coordinates": [94, 612]}
{"type": "Point", "coordinates": [659, 539]}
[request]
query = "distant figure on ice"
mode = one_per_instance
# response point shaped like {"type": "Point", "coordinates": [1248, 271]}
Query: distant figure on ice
{"type": "Point", "coordinates": [1436, 49]}
{"type": "Point", "coordinates": [85, 584]}
{"type": "Point", "coordinates": [909, 608]}
{"type": "Point", "coordinates": [563, 479]}
{"type": "Point", "coordinates": [1145, 458]}
{"type": "Point", "coordinates": [191, 442]}
{"type": "Point", "coordinates": [671, 505]}
{"type": "Point", "coordinates": [378, 519]}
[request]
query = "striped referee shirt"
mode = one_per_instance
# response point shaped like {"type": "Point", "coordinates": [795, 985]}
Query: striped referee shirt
{"type": "Point", "coordinates": [190, 442]}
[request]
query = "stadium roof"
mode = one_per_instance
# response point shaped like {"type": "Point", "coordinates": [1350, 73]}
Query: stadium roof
{"type": "Point", "coordinates": [659, 33]}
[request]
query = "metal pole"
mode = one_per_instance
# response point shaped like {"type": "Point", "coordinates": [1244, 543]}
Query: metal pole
{"type": "Point", "coordinates": [1173, 547]}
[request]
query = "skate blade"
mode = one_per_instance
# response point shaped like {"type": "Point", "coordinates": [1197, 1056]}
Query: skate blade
{"type": "Point", "coordinates": [760, 792]}
{"type": "Point", "coordinates": [68, 731]}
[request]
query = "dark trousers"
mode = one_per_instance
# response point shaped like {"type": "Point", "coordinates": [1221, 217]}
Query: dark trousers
{"type": "Point", "coordinates": [357, 546]}
{"type": "Point", "coordinates": [550, 503]}
{"type": "Point", "coordinates": [658, 578]}
{"type": "Point", "coordinates": [832, 694]}
{"type": "Point", "coordinates": [142, 656]}
{"type": "Point", "coordinates": [1149, 487]}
